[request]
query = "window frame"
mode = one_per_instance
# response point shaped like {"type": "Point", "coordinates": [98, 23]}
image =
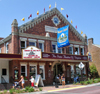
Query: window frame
{"type": "Point", "coordinates": [77, 46]}
{"type": "Point", "coordinates": [0, 50]}
{"type": "Point", "coordinates": [82, 47]}
{"type": "Point", "coordinates": [7, 48]}
{"type": "Point", "coordinates": [32, 40]}
{"type": "Point", "coordinates": [41, 41]}
{"type": "Point", "coordinates": [33, 65]}
{"type": "Point", "coordinates": [55, 43]}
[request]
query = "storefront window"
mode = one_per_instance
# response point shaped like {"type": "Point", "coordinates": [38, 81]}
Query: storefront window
{"type": "Point", "coordinates": [84, 72]}
{"type": "Point", "coordinates": [24, 70]}
{"type": "Point", "coordinates": [33, 71]}
{"type": "Point", "coordinates": [42, 71]}
{"type": "Point", "coordinates": [78, 70]}
{"type": "Point", "coordinates": [32, 44]}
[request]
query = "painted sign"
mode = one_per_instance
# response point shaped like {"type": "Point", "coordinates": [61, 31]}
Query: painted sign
{"type": "Point", "coordinates": [81, 65]}
{"type": "Point", "coordinates": [63, 56]}
{"type": "Point", "coordinates": [31, 52]}
{"type": "Point", "coordinates": [62, 37]}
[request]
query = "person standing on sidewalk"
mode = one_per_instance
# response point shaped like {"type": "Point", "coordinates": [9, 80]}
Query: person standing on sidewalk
{"type": "Point", "coordinates": [63, 80]}
{"type": "Point", "coordinates": [59, 78]}
{"type": "Point", "coordinates": [32, 81]}
{"type": "Point", "coordinates": [22, 81]}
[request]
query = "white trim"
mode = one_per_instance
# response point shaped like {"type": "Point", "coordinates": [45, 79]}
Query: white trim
{"type": "Point", "coordinates": [76, 45]}
{"type": "Point", "coordinates": [6, 47]}
{"type": "Point", "coordinates": [43, 70]}
{"type": "Point", "coordinates": [32, 64]}
{"type": "Point", "coordinates": [32, 40]}
{"type": "Point", "coordinates": [42, 46]}
{"type": "Point", "coordinates": [72, 48]}
{"type": "Point", "coordinates": [81, 46]}
{"type": "Point", "coordinates": [41, 41]}
{"type": "Point", "coordinates": [54, 43]}
{"type": "Point", "coordinates": [70, 45]}
{"type": "Point", "coordinates": [23, 39]}
{"type": "Point", "coordinates": [0, 50]}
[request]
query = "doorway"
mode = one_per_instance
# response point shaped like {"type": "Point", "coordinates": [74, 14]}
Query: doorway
{"type": "Point", "coordinates": [57, 69]}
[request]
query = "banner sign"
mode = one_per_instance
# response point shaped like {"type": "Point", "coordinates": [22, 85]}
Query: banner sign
{"type": "Point", "coordinates": [63, 56]}
{"type": "Point", "coordinates": [62, 37]}
{"type": "Point", "coordinates": [31, 52]}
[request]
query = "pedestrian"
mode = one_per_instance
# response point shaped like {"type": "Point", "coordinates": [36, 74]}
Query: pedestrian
{"type": "Point", "coordinates": [63, 80]}
{"type": "Point", "coordinates": [32, 81]}
{"type": "Point", "coordinates": [22, 81]}
{"type": "Point", "coordinates": [59, 78]}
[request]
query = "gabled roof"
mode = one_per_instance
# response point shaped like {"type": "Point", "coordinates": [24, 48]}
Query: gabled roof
{"type": "Point", "coordinates": [42, 17]}
{"type": "Point", "coordinates": [96, 45]}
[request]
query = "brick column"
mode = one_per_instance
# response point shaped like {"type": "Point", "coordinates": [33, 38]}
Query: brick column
{"type": "Point", "coordinates": [28, 72]}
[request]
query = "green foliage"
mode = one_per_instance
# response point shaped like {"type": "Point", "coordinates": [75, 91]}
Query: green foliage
{"type": "Point", "coordinates": [29, 89]}
{"type": "Point", "coordinates": [93, 71]}
{"type": "Point", "coordinates": [1, 93]}
{"type": "Point", "coordinates": [82, 82]}
{"type": "Point", "coordinates": [77, 83]}
{"type": "Point", "coordinates": [11, 91]}
{"type": "Point", "coordinates": [40, 89]}
{"type": "Point", "coordinates": [5, 91]}
{"type": "Point", "coordinates": [86, 82]}
{"type": "Point", "coordinates": [96, 81]}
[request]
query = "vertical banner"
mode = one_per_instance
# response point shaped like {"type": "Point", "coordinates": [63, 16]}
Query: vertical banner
{"type": "Point", "coordinates": [62, 36]}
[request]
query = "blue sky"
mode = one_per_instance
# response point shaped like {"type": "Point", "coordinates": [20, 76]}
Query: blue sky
{"type": "Point", "coordinates": [84, 13]}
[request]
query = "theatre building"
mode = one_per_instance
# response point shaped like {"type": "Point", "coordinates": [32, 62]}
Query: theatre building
{"type": "Point", "coordinates": [38, 38]}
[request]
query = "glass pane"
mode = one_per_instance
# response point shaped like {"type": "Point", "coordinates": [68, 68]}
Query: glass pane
{"type": "Point", "coordinates": [31, 43]}
{"type": "Point", "coordinates": [22, 68]}
{"type": "Point", "coordinates": [4, 71]}
{"type": "Point", "coordinates": [33, 69]}
{"type": "Point", "coordinates": [41, 71]}
{"type": "Point", "coordinates": [23, 74]}
{"type": "Point", "coordinates": [59, 50]}
{"type": "Point", "coordinates": [23, 44]}
{"type": "Point", "coordinates": [40, 46]}
{"type": "Point", "coordinates": [54, 48]}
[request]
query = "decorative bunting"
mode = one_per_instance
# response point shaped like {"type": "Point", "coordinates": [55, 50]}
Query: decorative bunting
{"type": "Point", "coordinates": [37, 12]}
{"type": "Point", "coordinates": [76, 26]}
{"type": "Point", "coordinates": [62, 8]}
{"type": "Point", "coordinates": [23, 19]}
{"type": "Point", "coordinates": [81, 32]}
{"type": "Point", "coordinates": [71, 21]}
{"type": "Point", "coordinates": [49, 6]}
{"type": "Point", "coordinates": [30, 16]}
{"type": "Point", "coordinates": [66, 15]}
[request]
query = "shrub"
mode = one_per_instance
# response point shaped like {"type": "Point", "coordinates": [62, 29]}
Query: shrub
{"type": "Point", "coordinates": [86, 82]}
{"type": "Point", "coordinates": [27, 88]}
{"type": "Point", "coordinates": [98, 79]}
{"type": "Point", "coordinates": [95, 81]}
{"type": "Point", "coordinates": [77, 83]}
{"type": "Point", "coordinates": [11, 91]}
{"type": "Point", "coordinates": [82, 82]}
{"type": "Point", "coordinates": [40, 89]}
{"type": "Point", "coordinates": [5, 91]}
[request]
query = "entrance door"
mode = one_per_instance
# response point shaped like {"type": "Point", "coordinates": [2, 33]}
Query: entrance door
{"type": "Point", "coordinates": [4, 71]}
{"type": "Point", "coordinates": [57, 69]}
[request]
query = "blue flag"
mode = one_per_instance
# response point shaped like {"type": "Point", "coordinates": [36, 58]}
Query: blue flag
{"type": "Point", "coordinates": [62, 36]}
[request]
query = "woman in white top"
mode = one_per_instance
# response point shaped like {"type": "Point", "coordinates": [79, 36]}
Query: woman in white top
{"type": "Point", "coordinates": [22, 81]}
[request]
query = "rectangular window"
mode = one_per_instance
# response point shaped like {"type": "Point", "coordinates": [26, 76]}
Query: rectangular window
{"type": "Point", "coordinates": [54, 48]}
{"type": "Point", "coordinates": [41, 46]}
{"type": "Point", "coordinates": [33, 71]}
{"type": "Point", "coordinates": [23, 45]}
{"type": "Point", "coordinates": [70, 50]}
{"type": "Point", "coordinates": [59, 50]}
{"type": "Point", "coordinates": [42, 71]}
{"type": "Point", "coordinates": [78, 70]}
{"type": "Point", "coordinates": [0, 50]}
{"type": "Point", "coordinates": [32, 44]}
{"type": "Point", "coordinates": [24, 70]}
{"type": "Point", "coordinates": [76, 51]}
{"type": "Point", "coordinates": [72, 71]}
{"type": "Point", "coordinates": [82, 51]}
{"type": "Point", "coordinates": [4, 71]}
{"type": "Point", "coordinates": [7, 48]}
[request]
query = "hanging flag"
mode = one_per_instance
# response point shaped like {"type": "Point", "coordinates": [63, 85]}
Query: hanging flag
{"type": "Point", "coordinates": [23, 19]}
{"type": "Point", "coordinates": [76, 26]}
{"type": "Point", "coordinates": [37, 12]}
{"type": "Point", "coordinates": [62, 36]}
{"type": "Point", "coordinates": [81, 32]}
{"type": "Point", "coordinates": [30, 16]}
{"type": "Point", "coordinates": [44, 10]}
{"type": "Point", "coordinates": [49, 6]}
{"type": "Point", "coordinates": [66, 15]}
{"type": "Point", "coordinates": [62, 8]}
{"type": "Point", "coordinates": [71, 21]}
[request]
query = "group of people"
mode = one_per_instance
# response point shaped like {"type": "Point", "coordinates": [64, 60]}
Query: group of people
{"type": "Point", "coordinates": [23, 82]}
{"type": "Point", "coordinates": [61, 79]}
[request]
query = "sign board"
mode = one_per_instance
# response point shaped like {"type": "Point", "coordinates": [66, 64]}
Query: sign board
{"type": "Point", "coordinates": [38, 81]}
{"type": "Point", "coordinates": [31, 52]}
{"type": "Point", "coordinates": [62, 36]}
{"type": "Point", "coordinates": [81, 65]}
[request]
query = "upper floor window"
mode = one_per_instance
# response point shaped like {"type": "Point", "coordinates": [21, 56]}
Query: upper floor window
{"type": "Point", "coordinates": [6, 47]}
{"type": "Point", "coordinates": [32, 42]}
{"type": "Point", "coordinates": [41, 45]}
{"type": "Point", "coordinates": [23, 43]}
{"type": "Point", "coordinates": [70, 50]}
{"type": "Point", "coordinates": [0, 50]}
{"type": "Point", "coordinates": [54, 50]}
{"type": "Point", "coordinates": [82, 50]}
{"type": "Point", "coordinates": [59, 50]}
{"type": "Point", "coordinates": [76, 49]}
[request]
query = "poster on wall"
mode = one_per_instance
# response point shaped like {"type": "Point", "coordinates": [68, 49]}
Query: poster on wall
{"type": "Point", "coordinates": [31, 52]}
{"type": "Point", "coordinates": [62, 36]}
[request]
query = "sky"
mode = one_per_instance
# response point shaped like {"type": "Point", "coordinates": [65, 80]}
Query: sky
{"type": "Point", "coordinates": [84, 13]}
